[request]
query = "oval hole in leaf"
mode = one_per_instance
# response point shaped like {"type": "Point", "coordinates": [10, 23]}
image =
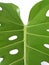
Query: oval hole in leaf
{"type": "Point", "coordinates": [44, 63]}
{"type": "Point", "coordinates": [13, 52]}
{"type": "Point", "coordinates": [0, 8]}
{"type": "Point", "coordinates": [18, 10]}
{"type": "Point", "coordinates": [47, 14]}
{"type": "Point", "coordinates": [47, 30]}
{"type": "Point", "coordinates": [0, 24]}
{"type": "Point", "coordinates": [46, 45]}
{"type": "Point", "coordinates": [12, 38]}
{"type": "Point", "coordinates": [1, 59]}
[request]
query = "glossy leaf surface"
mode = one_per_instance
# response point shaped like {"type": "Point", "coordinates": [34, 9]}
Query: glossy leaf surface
{"type": "Point", "coordinates": [30, 42]}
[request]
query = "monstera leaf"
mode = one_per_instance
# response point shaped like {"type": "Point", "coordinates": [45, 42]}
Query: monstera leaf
{"type": "Point", "coordinates": [24, 44]}
{"type": "Point", "coordinates": [11, 35]}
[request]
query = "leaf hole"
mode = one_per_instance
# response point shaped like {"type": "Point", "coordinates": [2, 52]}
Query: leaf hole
{"type": "Point", "coordinates": [44, 63]}
{"type": "Point", "coordinates": [13, 52]}
{"type": "Point", "coordinates": [1, 59]}
{"type": "Point", "coordinates": [0, 8]}
{"type": "Point", "coordinates": [47, 30]}
{"type": "Point", "coordinates": [0, 24]}
{"type": "Point", "coordinates": [46, 45]}
{"type": "Point", "coordinates": [18, 10]}
{"type": "Point", "coordinates": [47, 14]}
{"type": "Point", "coordinates": [12, 38]}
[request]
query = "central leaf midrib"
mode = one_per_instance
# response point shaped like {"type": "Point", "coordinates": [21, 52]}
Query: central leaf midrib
{"type": "Point", "coordinates": [25, 31]}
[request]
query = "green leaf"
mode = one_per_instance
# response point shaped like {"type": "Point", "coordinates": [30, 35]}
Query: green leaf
{"type": "Point", "coordinates": [28, 41]}
{"type": "Point", "coordinates": [38, 35]}
{"type": "Point", "coordinates": [11, 26]}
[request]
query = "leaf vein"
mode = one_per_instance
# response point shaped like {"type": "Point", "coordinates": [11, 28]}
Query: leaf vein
{"type": "Point", "coordinates": [10, 31]}
{"type": "Point", "coordinates": [11, 44]}
{"type": "Point", "coordinates": [37, 50]}
{"type": "Point", "coordinates": [38, 35]}
{"type": "Point", "coordinates": [37, 24]}
{"type": "Point", "coordinates": [17, 61]}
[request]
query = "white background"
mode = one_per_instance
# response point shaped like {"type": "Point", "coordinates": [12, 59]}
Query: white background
{"type": "Point", "coordinates": [24, 5]}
